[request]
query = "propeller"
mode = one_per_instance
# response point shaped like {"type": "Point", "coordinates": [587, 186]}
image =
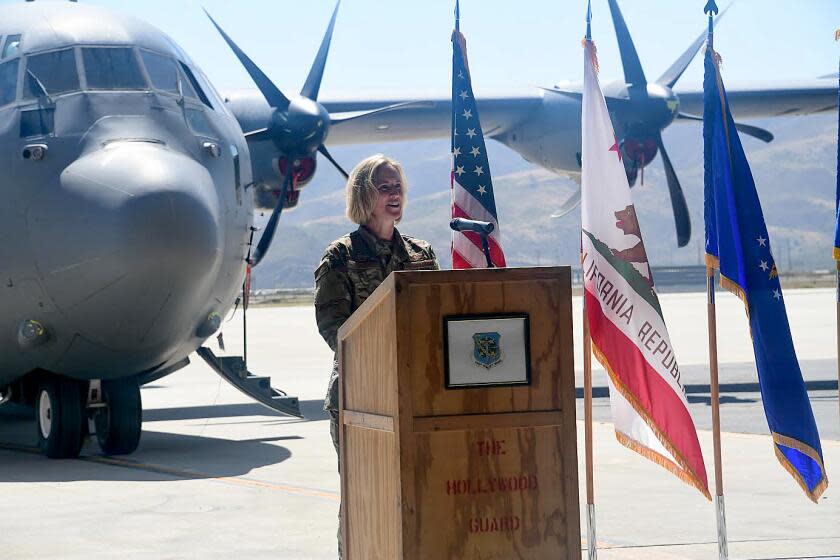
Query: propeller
{"type": "Point", "coordinates": [678, 204]}
{"type": "Point", "coordinates": [652, 108]}
{"type": "Point", "coordinates": [570, 204]}
{"type": "Point", "coordinates": [756, 132]}
{"type": "Point", "coordinates": [270, 227]}
{"type": "Point", "coordinates": [298, 126]}
{"type": "Point", "coordinates": [675, 71]}
{"type": "Point", "coordinates": [642, 110]}
{"type": "Point", "coordinates": [634, 75]}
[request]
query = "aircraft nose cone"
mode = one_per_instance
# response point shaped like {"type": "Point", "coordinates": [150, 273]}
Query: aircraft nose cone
{"type": "Point", "coordinates": [129, 246]}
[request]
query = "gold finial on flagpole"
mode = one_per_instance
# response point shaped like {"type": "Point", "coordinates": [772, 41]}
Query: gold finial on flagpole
{"type": "Point", "coordinates": [837, 35]}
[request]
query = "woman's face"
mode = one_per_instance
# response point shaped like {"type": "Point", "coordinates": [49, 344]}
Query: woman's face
{"type": "Point", "coordinates": [389, 204]}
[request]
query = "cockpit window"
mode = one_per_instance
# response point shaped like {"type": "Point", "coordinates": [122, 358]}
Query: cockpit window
{"type": "Point", "coordinates": [195, 85]}
{"type": "Point", "coordinates": [162, 71]}
{"type": "Point", "coordinates": [198, 122]}
{"type": "Point", "coordinates": [214, 96]}
{"type": "Point", "coordinates": [11, 46]}
{"type": "Point", "coordinates": [8, 81]}
{"type": "Point", "coordinates": [112, 69]}
{"type": "Point", "coordinates": [51, 73]}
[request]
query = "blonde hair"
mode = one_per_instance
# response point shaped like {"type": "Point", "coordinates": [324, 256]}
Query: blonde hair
{"type": "Point", "coordinates": [361, 190]}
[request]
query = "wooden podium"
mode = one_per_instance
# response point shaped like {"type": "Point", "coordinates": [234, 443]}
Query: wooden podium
{"type": "Point", "coordinates": [450, 449]}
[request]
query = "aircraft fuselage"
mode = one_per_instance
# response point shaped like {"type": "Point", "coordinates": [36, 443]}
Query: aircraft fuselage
{"type": "Point", "coordinates": [127, 207]}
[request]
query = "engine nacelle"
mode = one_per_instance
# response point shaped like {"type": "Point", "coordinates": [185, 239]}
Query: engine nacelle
{"type": "Point", "coordinates": [303, 169]}
{"type": "Point", "coordinates": [638, 153]}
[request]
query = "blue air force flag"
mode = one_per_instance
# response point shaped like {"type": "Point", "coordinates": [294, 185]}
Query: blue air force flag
{"type": "Point", "coordinates": [738, 244]}
{"type": "Point", "coordinates": [837, 203]}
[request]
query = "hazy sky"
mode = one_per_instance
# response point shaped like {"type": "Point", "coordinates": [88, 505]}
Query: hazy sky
{"type": "Point", "coordinates": [402, 46]}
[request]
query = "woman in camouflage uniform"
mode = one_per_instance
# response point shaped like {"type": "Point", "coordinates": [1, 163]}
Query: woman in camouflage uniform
{"type": "Point", "coordinates": [354, 265]}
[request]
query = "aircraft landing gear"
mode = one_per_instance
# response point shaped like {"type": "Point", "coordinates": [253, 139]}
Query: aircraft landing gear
{"type": "Point", "coordinates": [59, 417]}
{"type": "Point", "coordinates": [119, 422]}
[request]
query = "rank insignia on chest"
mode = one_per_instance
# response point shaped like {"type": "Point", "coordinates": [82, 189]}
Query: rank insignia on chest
{"type": "Point", "coordinates": [487, 350]}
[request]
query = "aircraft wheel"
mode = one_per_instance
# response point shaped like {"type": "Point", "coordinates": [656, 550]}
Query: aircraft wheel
{"type": "Point", "coordinates": [119, 423]}
{"type": "Point", "coordinates": [59, 418]}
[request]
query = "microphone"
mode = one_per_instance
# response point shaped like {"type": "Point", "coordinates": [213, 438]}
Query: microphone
{"type": "Point", "coordinates": [461, 224]}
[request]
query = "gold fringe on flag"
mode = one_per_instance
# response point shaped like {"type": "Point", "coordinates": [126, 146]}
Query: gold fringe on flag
{"type": "Point", "coordinates": [837, 35]}
{"type": "Point", "coordinates": [681, 469]}
{"type": "Point", "coordinates": [779, 439]}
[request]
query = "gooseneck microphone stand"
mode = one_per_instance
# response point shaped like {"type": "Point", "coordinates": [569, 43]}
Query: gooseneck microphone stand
{"type": "Point", "coordinates": [485, 246]}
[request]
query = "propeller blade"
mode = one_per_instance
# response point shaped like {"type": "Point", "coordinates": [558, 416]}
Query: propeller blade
{"type": "Point", "coordinates": [672, 74]}
{"type": "Point", "coordinates": [681, 217]}
{"type": "Point", "coordinates": [326, 153]}
{"type": "Point", "coordinates": [272, 93]}
{"type": "Point", "coordinates": [571, 203]}
{"type": "Point", "coordinates": [336, 118]}
{"type": "Point", "coordinates": [633, 72]}
{"type": "Point", "coordinates": [760, 133]}
{"type": "Point", "coordinates": [313, 81]}
{"type": "Point", "coordinates": [268, 233]}
{"type": "Point", "coordinates": [578, 95]}
{"type": "Point", "coordinates": [573, 94]}
{"type": "Point", "coordinates": [688, 117]}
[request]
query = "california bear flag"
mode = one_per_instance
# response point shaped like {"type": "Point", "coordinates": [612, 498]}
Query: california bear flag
{"type": "Point", "coordinates": [629, 337]}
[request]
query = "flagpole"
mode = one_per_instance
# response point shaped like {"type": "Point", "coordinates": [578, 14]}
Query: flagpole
{"type": "Point", "coordinates": [591, 539]}
{"type": "Point", "coordinates": [723, 548]}
{"type": "Point", "coordinates": [837, 38]}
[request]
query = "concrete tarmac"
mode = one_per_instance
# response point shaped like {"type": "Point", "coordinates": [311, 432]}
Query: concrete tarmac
{"type": "Point", "coordinates": [217, 476]}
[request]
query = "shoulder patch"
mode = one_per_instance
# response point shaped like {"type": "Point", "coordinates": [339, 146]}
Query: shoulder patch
{"type": "Point", "coordinates": [335, 256]}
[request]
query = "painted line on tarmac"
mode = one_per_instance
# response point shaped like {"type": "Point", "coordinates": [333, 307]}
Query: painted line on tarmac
{"type": "Point", "coordinates": [231, 480]}
{"type": "Point", "coordinates": [188, 474]}
{"type": "Point", "coordinates": [731, 541]}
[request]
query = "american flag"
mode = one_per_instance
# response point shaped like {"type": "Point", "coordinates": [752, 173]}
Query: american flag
{"type": "Point", "coordinates": [472, 187]}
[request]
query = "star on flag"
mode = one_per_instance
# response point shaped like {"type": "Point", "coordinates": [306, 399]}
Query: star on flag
{"type": "Point", "coordinates": [616, 149]}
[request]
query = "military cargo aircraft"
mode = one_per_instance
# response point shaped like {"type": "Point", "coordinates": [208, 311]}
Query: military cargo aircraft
{"type": "Point", "coordinates": [130, 185]}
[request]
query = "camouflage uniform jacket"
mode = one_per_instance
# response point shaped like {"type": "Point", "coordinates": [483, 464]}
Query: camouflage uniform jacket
{"type": "Point", "coordinates": [351, 269]}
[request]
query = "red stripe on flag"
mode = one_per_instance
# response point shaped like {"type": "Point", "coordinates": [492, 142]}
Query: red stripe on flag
{"type": "Point", "coordinates": [496, 253]}
{"type": "Point", "coordinates": [459, 262]}
{"type": "Point", "coordinates": [652, 392]}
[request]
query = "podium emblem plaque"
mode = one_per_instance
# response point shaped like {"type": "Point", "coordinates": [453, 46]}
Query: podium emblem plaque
{"type": "Point", "coordinates": [486, 350]}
